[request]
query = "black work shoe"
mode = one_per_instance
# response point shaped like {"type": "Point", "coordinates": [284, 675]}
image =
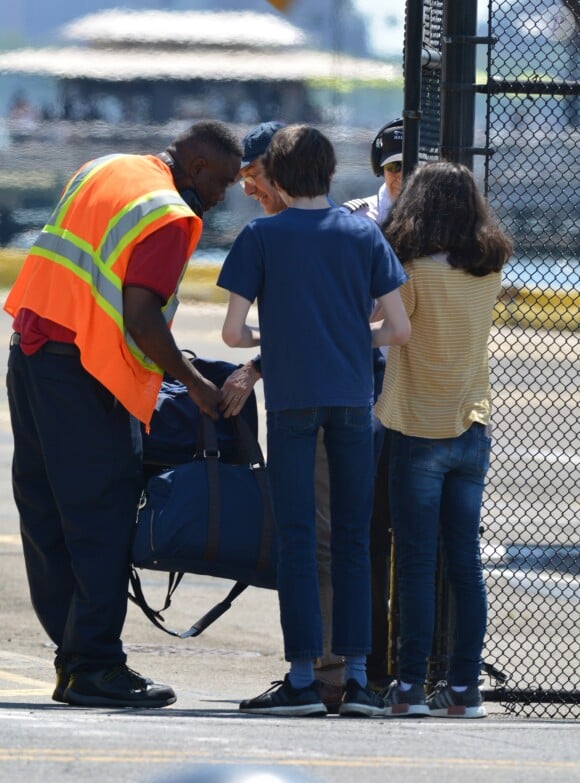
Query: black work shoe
{"type": "Point", "coordinates": [359, 702]}
{"type": "Point", "coordinates": [62, 678]}
{"type": "Point", "coordinates": [405, 704]}
{"type": "Point", "coordinates": [444, 702]}
{"type": "Point", "coordinates": [116, 687]}
{"type": "Point", "coordinates": [286, 700]}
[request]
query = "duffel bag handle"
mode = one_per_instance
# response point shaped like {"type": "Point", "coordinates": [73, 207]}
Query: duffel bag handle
{"type": "Point", "coordinates": [256, 463]}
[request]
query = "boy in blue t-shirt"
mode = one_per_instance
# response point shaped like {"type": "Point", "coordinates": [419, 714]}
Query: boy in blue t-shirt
{"type": "Point", "coordinates": [315, 272]}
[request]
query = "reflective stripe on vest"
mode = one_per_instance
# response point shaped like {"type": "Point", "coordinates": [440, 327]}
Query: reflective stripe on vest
{"type": "Point", "coordinates": [88, 170]}
{"type": "Point", "coordinates": [75, 273]}
{"type": "Point", "coordinates": [94, 267]}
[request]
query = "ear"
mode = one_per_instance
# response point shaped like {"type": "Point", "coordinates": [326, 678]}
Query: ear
{"type": "Point", "coordinates": [282, 193]}
{"type": "Point", "coordinates": [198, 164]}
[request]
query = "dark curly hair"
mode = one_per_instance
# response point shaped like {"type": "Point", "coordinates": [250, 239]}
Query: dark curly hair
{"type": "Point", "coordinates": [441, 209]}
{"type": "Point", "coordinates": [211, 133]}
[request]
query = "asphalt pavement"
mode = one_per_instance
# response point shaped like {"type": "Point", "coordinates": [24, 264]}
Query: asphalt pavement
{"type": "Point", "coordinates": [238, 657]}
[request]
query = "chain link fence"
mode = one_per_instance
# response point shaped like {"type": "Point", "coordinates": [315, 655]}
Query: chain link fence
{"type": "Point", "coordinates": [531, 538]}
{"type": "Point", "coordinates": [529, 165]}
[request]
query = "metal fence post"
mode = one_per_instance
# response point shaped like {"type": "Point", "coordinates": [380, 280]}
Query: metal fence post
{"type": "Point", "coordinates": [458, 80]}
{"type": "Point", "coordinates": [412, 76]}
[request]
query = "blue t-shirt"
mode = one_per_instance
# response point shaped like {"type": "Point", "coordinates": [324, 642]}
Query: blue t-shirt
{"type": "Point", "coordinates": [314, 274]}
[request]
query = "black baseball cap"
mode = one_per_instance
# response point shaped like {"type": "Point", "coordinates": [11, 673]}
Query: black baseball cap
{"type": "Point", "coordinates": [256, 141]}
{"type": "Point", "coordinates": [392, 146]}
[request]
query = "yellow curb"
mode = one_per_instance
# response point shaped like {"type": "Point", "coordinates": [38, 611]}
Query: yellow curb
{"type": "Point", "coordinates": [10, 263]}
{"type": "Point", "coordinates": [527, 308]}
{"type": "Point", "coordinates": [530, 308]}
{"type": "Point", "coordinates": [199, 281]}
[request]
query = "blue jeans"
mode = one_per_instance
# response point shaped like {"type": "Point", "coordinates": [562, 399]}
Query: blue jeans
{"type": "Point", "coordinates": [348, 437]}
{"type": "Point", "coordinates": [436, 489]}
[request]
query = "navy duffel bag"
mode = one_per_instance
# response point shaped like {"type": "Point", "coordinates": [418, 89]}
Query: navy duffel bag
{"type": "Point", "coordinates": [175, 425]}
{"type": "Point", "coordinates": [208, 517]}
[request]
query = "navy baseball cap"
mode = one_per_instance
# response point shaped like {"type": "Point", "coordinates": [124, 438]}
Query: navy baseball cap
{"type": "Point", "coordinates": [256, 141]}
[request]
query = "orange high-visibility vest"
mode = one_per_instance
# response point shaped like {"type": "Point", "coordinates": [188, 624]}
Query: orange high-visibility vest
{"type": "Point", "coordinates": [74, 273]}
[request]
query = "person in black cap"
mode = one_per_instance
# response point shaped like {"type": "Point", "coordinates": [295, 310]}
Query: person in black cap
{"type": "Point", "coordinates": [386, 162]}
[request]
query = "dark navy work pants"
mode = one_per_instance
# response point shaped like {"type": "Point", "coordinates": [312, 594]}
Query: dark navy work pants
{"type": "Point", "coordinates": [76, 478]}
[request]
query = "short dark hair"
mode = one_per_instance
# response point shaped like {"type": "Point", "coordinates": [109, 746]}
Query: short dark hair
{"type": "Point", "coordinates": [213, 133]}
{"type": "Point", "coordinates": [301, 160]}
{"type": "Point", "coordinates": [440, 209]}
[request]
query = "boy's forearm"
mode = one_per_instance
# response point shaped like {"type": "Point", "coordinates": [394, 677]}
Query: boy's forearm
{"type": "Point", "coordinates": [385, 334]}
{"type": "Point", "coordinates": [235, 332]}
{"type": "Point", "coordinates": [395, 328]}
{"type": "Point", "coordinates": [250, 337]}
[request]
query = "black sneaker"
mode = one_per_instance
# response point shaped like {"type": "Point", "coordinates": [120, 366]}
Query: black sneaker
{"type": "Point", "coordinates": [444, 702]}
{"type": "Point", "coordinates": [116, 687]}
{"type": "Point", "coordinates": [62, 678]}
{"type": "Point", "coordinates": [405, 704]}
{"type": "Point", "coordinates": [286, 700]}
{"type": "Point", "coordinates": [359, 702]}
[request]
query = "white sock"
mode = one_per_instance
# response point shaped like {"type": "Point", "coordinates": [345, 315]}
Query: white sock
{"type": "Point", "coordinates": [405, 686]}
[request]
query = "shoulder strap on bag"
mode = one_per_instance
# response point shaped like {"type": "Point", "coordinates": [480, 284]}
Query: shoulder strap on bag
{"type": "Point", "coordinates": [257, 464]}
{"type": "Point", "coordinates": [155, 616]}
{"type": "Point", "coordinates": [253, 457]}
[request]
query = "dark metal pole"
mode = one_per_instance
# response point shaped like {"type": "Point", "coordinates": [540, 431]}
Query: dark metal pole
{"type": "Point", "coordinates": [458, 80]}
{"type": "Point", "coordinates": [412, 74]}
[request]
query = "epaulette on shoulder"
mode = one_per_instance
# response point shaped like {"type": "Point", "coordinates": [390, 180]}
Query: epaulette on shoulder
{"type": "Point", "coordinates": [355, 203]}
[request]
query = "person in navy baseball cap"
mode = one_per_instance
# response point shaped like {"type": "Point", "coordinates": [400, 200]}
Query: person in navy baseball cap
{"type": "Point", "coordinates": [256, 141]}
{"type": "Point", "coordinates": [252, 177]}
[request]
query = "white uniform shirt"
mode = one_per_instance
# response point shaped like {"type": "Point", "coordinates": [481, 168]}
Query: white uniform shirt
{"type": "Point", "coordinates": [375, 207]}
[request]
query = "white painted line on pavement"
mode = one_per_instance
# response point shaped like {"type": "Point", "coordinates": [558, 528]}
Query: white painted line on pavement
{"type": "Point", "coordinates": [23, 679]}
{"type": "Point", "coordinates": [30, 686]}
{"type": "Point", "coordinates": [10, 538]}
{"type": "Point", "coordinates": [562, 587]}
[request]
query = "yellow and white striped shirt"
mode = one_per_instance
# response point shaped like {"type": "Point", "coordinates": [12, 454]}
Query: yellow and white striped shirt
{"type": "Point", "coordinates": [437, 384]}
